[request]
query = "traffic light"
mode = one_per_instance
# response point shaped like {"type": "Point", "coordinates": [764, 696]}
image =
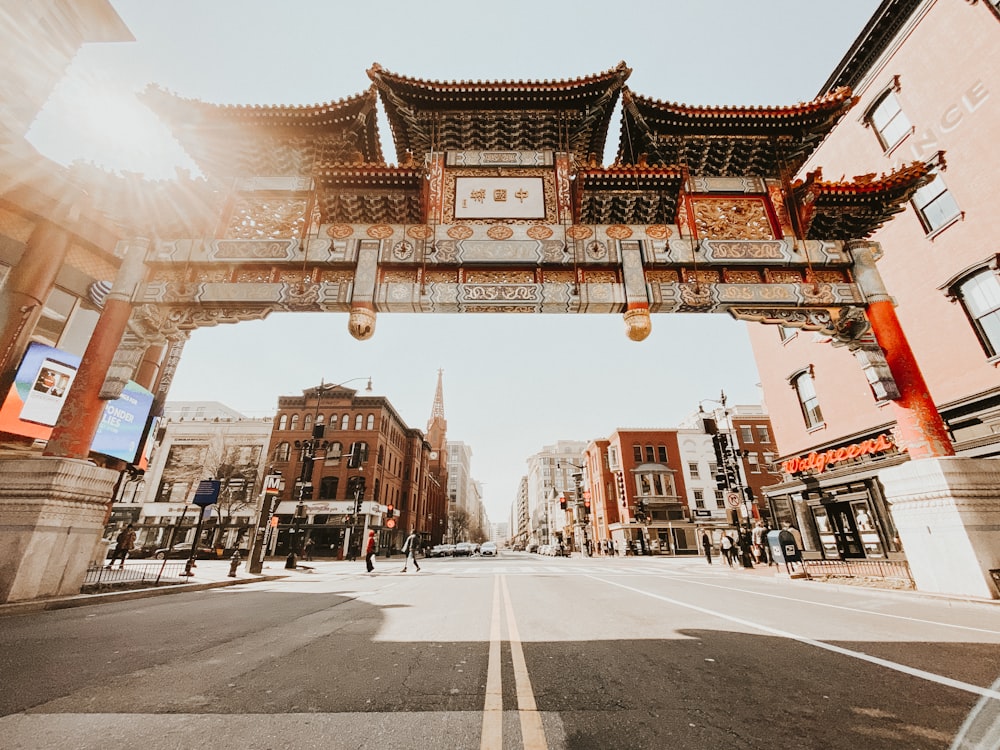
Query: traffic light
{"type": "Point", "coordinates": [390, 511]}
{"type": "Point", "coordinates": [562, 502]}
{"type": "Point", "coordinates": [354, 460]}
{"type": "Point", "coordinates": [586, 503]}
{"type": "Point", "coordinates": [306, 491]}
{"type": "Point", "coordinates": [640, 509]}
{"type": "Point", "coordinates": [620, 477]}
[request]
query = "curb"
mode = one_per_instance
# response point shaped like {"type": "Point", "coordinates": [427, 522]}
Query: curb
{"type": "Point", "coordinates": [83, 600]}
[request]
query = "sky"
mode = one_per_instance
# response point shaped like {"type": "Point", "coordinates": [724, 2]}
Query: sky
{"type": "Point", "coordinates": [513, 384]}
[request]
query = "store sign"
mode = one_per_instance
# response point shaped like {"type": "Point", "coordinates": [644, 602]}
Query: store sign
{"type": "Point", "coordinates": [820, 462]}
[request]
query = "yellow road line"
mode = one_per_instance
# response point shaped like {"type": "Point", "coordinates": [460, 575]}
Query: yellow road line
{"type": "Point", "coordinates": [532, 733]}
{"type": "Point", "coordinates": [492, 736]}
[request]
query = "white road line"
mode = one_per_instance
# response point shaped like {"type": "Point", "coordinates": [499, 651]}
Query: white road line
{"type": "Point", "coordinates": [920, 673]}
{"type": "Point", "coordinates": [848, 609]}
{"type": "Point", "coordinates": [532, 734]}
{"type": "Point", "coordinates": [492, 734]}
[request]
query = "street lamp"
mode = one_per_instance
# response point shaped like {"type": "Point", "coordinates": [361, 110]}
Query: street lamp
{"type": "Point", "coordinates": [579, 518]}
{"type": "Point", "coordinates": [728, 455]}
{"type": "Point", "coordinates": [309, 448]}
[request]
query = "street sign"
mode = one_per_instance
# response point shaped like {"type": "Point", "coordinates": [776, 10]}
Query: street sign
{"type": "Point", "coordinates": [272, 484]}
{"type": "Point", "coordinates": [733, 499]}
{"type": "Point", "coordinates": [207, 492]}
{"type": "Point", "coordinates": [703, 513]}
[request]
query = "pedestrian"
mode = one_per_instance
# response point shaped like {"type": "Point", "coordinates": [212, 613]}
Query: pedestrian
{"type": "Point", "coordinates": [759, 542]}
{"type": "Point", "coordinates": [410, 547]}
{"type": "Point", "coordinates": [728, 548]}
{"type": "Point", "coordinates": [307, 551]}
{"type": "Point", "coordinates": [370, 551]}
{"type": "Point", "coordinates": [706, 544]}
{"type": "Point", "coordinates": [124, 543]}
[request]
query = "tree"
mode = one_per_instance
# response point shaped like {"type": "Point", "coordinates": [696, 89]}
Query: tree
{"type": "Point", "coordinates": [458, 523]}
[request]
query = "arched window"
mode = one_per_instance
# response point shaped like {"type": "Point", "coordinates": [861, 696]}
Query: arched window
{"type": "Point", "coordinates": [345, 423]}
{"type": "Point", "coordinates": [805, 389]}
{"type": "Point", "coordinates": [371, 422]}
{"type": "Point", "coordinates": [295, 422]}
{"type": "Point", "coordinates": [357, 422]}
{"type": "Point", "coordinates": [281, 452]}
{"type": "Point", "coordinates": [319, 419]}
{"type": "Point", "coordinates": [283, 422]}
{"type": "Point", "coordinates": [307, 422]}
{"type": "Point", "coordinates": [328, 488]}
{"type": "Point", "coordinates": [979, 294]}
{"type": "Point", "coordinates": [333, 421]}
{"type": "Point", "coordinates": [334, 452]}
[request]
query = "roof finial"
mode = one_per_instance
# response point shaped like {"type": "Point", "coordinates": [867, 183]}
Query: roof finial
{"type": "Point", "coordinates": [438, 409]}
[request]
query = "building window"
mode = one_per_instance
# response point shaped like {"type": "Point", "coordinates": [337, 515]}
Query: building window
{"type": "Point", "coordinates": [890, 123]}
{"type": "Point", "coordinates": [650, 455]}
{"type": "Point", "coordinates": [746, 433]}
{"type": "Point", "coordinates": [786, 333]}
{"type": "Point", "coordinates": [295, 422]}
{"type": "Point", "coordinates": [283, 422]}
{"type": "Point", "coordinates": [980, 297]}
{"type": "Point", "coordinates": [763, 434]}
{"type": "Point", "coordinates": [637, 453]}
{"type": "Point", "coordinates": [319, 419]}
{"type": "Point", "coordinates": [307, 422]}
{"type": "Point", "coordinates": [720, 501]}
{"type": "Point", "coordinates": [935, 206]}
{"type": "Point", "coordinates": [357, 422]}
{"type": "Point", "coordinates": [345, 423]}
{"type": "Point", "coordinates": [281, 451]}
{"type": "Point", "coordinates": [805, 389]}
{"type": "Point", "coordinates": [661, 453]}
{"type": "Point", "coordinates": [754, 463]}
{"type": "Point", "coordinates": [370, 422]}
{"type": "Point", "coordinates": [693, 470]}
{"type": "Point", "coordinates": [328, 488]}
{"type": "Point", "coordinates": [333, 452]}
{"type": "Point", "coordinates": [699, 498]}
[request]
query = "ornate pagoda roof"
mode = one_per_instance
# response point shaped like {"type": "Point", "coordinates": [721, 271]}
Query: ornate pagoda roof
{"type": "Point", "coordinates": [727, 141]}
{"type": "Point", "coordinates": [369, 193]}
{"type": "Point", "coordinates": [500, 115]}
{"type": "Point", "coordinates": [854, 210]}
{"type": "Point", "coordinates": [628, 195]}
{"type": "Point", "coordinates": [243, 140]}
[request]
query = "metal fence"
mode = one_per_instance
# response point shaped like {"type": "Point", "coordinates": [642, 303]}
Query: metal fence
{"type": "Point", "coordinates": [134, 575]}
{"type": "Point", "coordinates": [888, 570]}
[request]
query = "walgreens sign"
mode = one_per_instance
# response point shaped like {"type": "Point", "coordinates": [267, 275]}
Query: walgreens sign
{"type": "Point", "coordinates": [820, 462]}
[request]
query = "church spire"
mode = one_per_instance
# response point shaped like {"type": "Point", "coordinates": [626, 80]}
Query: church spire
{"type": "Point", "coordinates": [438, 409]}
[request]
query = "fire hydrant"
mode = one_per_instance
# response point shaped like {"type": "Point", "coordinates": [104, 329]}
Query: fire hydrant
{"type": "Point", "coordinates": [234, 563]}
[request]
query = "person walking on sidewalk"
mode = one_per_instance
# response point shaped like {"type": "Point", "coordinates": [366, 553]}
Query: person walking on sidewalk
{"type": "Point", "coordinates": [370, 551]}
{"type": "Point", "coordinates": [410, 547]}
{"type": "Point", "coordinates": [124, 544]}
{"type": "Point", "coordinates": [706, 544]}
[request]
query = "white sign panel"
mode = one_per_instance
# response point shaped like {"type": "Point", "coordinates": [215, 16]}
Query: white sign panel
{"type": "Point", "coordinates": [499, 198]}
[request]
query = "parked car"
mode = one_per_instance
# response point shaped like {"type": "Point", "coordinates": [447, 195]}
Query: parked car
{"type": "Point", "coordinates": [532, 547]}
{"type": "Point", "coordinates": [441, 550]}
{"type": "Point", "coordinates": [488, 549]}
{"type": "Point", "coordinates": [463, 549]}
{"type": "Point", "coordinates": [182, 551]}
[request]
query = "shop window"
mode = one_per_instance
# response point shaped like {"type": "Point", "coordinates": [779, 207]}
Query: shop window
{"type": "Point", "coordinates": [979, 294]}
{"type": "Point", "coordinates": [935, 205]}
{"type": "Point", "coordinates": [281, 451]}
{"type": "Point", "coordinates": [888, 120]}
{"type": "Point", "coordinates": [805, 389]}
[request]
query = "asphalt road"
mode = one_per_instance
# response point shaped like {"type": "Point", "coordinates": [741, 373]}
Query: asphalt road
{"type": "Point", "coordinates": [515, 652]}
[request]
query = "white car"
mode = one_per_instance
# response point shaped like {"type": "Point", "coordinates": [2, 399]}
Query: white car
{"type": "Point", "coordinates": [488, 549]}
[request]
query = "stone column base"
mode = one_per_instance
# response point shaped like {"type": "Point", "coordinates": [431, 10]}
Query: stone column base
{"type": "Point", "coordinates": [52, 513]}
{"type": "Point", "coordinates": [947, 511]}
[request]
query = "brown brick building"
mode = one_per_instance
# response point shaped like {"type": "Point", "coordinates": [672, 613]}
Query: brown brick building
{"type": "Point", "coordinates": [350, 464]}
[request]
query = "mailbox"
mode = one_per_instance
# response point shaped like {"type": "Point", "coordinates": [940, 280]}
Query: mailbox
{"type": "Point", "coordinates": [783, 547]}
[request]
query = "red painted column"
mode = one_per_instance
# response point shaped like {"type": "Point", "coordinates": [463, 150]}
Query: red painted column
{"type": "Point", "coordinates": [27, 288]}
{"type": "Point", "coordinates": [81, 414]}
{"type": "Point", "coordinates": [920, 427]}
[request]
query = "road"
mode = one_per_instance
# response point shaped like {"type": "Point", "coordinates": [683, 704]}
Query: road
{"type": "Point", "coordinates": [519, 651]}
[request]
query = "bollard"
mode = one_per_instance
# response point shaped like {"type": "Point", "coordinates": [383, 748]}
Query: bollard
{"type": "Point", "coordinates": [234, 563]}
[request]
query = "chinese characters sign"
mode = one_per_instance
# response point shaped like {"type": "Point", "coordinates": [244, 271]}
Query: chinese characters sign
{"type": "Point", "coordinates": [499, 198]}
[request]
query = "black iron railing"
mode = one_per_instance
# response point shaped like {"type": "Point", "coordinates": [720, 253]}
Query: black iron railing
{"type": "Point", "coordinates": [889, 570]}
{"type": "Point", "coordinates": [152, 573]}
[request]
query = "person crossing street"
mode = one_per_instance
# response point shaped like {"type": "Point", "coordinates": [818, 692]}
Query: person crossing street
{"type": "Point", "coordinates": [410, 547]}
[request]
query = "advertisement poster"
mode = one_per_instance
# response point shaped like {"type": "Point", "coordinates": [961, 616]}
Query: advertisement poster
{"type": "Point", "coordinates": [38, 394]}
